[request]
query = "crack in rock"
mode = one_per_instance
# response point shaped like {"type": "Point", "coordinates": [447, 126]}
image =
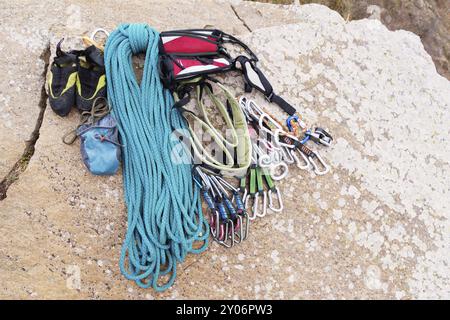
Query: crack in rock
{"type": "Point", "coordinates": [240, 19]}
{"type": "Point", "coordinates": [21, 164]}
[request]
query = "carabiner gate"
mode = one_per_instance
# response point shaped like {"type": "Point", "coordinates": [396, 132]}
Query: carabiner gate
{"type": "Point", "coordinates": [287, 156]}
{"type": "Point", "coordinates": [317, 170]}
{"type": "Point", "coordinates": [305, 166]}
{"type": "Point", "coordinates": [255, 210]}
{"type": "Point", "coordinates": [280, 201]}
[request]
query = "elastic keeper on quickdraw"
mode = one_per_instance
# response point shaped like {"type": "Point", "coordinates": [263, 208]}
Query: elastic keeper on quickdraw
{"type": "Point", "coordinates": [231, 209]}
{"type": "Point", "coordinates": [259, 180]}
{"type": "Point", "coordinates": [209, 201]}
{"type": "Point", "coordinates": [252, 181]}
{"type": "Point", "coordinates": [243, 183]}
{"type": "Point", "coordinates": [269, 181]}
{"type": "Point", "coordinates": [221, 209]}
{"type": "Point", "coordinates": [239, 203]}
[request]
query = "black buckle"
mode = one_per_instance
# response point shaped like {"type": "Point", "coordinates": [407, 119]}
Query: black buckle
{"type": "Point", "coordinates": [270, 96]}
{"type": "Point", "coordinates": [320, 136]}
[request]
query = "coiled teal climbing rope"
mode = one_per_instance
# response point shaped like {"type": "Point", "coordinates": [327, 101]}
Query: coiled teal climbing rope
{"type": "Point", "coordinates": [165, 220]}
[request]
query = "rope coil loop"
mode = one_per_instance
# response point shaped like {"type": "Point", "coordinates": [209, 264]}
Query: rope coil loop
{"type": "Point", "coordinates": [165, 220]}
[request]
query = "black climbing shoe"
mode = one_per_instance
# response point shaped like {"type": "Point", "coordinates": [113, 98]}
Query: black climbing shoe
{"type": "Point", "coordinates": [61, 81]}
{"type": "Point", "coordinates": [91, 80]}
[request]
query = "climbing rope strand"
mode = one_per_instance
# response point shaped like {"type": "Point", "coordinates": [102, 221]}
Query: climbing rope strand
{"type": "Point", "coordinates": [165, 220]}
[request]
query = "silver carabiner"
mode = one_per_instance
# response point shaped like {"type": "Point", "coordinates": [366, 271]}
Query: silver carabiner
{"type": "Point", "coordinates": [244, 195]}
{"type": "Point", "coordinates": [255, 210]}
{"type": "Point", "coordinates": [278, 143]}
{"type": "Point", "coordinates": [260, 157]}
{"type": "Point", "coordinates": [287, 156]}
{"type": "Point", "coordinates": [229, 234]}
{"type": "Point", "coordinates": [251, 213]}
{"type": "Point", "coordinates": [280, 201]}
{"type": "Point", "coordinates": [269, 154]}
{"type": "Point", "coordinates": [276, 156]}
{"type": "Point", "coordinates": [305, 166]}
{"type": "Point", "coordinates": [262, 212]}
{"type": "Point", "coordinates": [215, 227]}
{"type": "Point", "coordinates": [264, 161]}
{"type": "Point", "coordinates": [245, 224]}
{"type": "Point", "coordinates": [315, 165]}
{"type": "Point", "coordinates": [98, 30]}
{"type": "Point", "coordinates": [243, 105]}
{"type": "Point", "coordinates": [220, 231]}
{"type": "Point", "coordinates": [240, 229]}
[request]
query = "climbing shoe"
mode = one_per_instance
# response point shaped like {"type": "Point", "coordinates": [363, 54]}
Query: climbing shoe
{"type": "Point", "coordinates": [91, 80]}
{"type": "Point", "coordinates": [61, 81]}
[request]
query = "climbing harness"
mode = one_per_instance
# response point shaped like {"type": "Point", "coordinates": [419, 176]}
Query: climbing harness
{"type": "Point", "coordinates": [196, 42]}
{"type": "Point", "coordinates": [187, 54]}
{"type": "Point", "coordinates": [165, 220]}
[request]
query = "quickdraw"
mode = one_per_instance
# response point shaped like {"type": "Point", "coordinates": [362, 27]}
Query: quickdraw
{"type": "Point", "coordinates": [255, 192]}
{"type": "Point", "coordinates": [257, 199]}
{"type": "Point", "coordinates": [229, 222]}
{"type": "Point", "coordinates": [273, 189]}
{"type": "Point", "coordinates": [290, 147]}
{"type": "Point", "coordinates": [309, 156]}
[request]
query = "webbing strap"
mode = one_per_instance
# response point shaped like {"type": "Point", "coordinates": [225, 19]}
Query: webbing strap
{"type": "Point", "coordinates": [283, 104]}
{"type": "Point", "coordinates": [223, 111]}
{"type": "Point", "coordinates": [254, 78]}
{"type": "Point", "coordinates": [236, 126]}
